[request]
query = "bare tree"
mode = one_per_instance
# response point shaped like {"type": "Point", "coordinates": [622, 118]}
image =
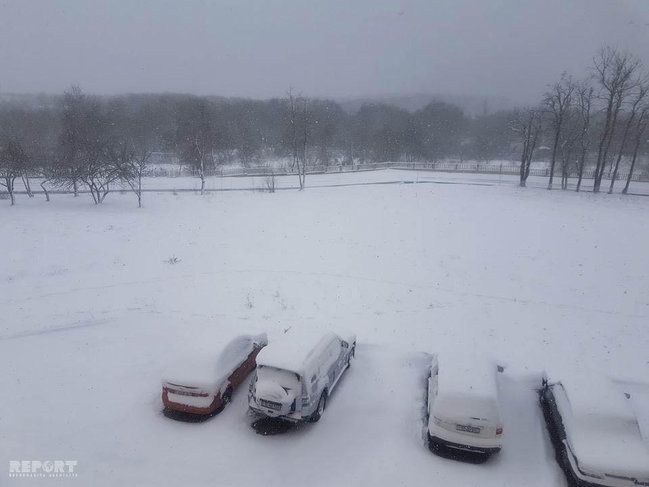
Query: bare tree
{"type": "Point", "coordinates": [557, 102]}
{"type": "Point", "coordinates": [48, 169]}
{"type": "Point", "coordinates": [85, 150]}
{"type": "Point", "coordinates": [28, 187]}
{"type": "Point", "coordinates": [71, 139]}
{"type": "Point", "coordinates": [584, 105]}
{"type": "Point", "coordinates": [36, 130]}
{"type": "Point", "coordinates": [614, 72]}
{"type": "Point", "coordinates": [13, 162]}
{"type": "Point", "coordinates": [134, 149]}
{"type": "Point", "coordinates": [305, 135]}
{"type": "Point", "coordinates": [298, 133]}
{"type": "Point", "coordinates": [197, 136]}
{"type": "Point", "coordinates": [132, 163]}
{"type": "Point", "coordinates": [137, 168]}
{"type": "Point", "coordinates": [41, 158]}
{"type": "Point", "coordinates": [293, 129]}
{"type": "Point", "coordinates": [269, 181]}
{"type": "Point", "coordinates": [641, 94]}
{"type": "Point", "coordinates": [99, 172]}
{"type": "Point", "coordinates": [527, 125]}
{"type": "Point", "coordinates": [640, 130]}
{"type": "Point", "coordinates": [96, 167]}
{"type": "Point", "coordinates": [569, 137]}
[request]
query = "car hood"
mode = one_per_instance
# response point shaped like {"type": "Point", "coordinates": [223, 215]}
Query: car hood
{"type": "Point", "coordinates": [609, 448]}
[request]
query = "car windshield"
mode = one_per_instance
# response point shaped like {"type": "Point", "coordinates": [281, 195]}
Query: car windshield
{"type": "Point", "coordinates": [465, 407]}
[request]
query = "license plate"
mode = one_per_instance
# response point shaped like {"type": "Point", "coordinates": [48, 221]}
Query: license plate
{"type": "Point", "coordinates": [270, 404]}
{"type": "Point", "coordinates": [191, 394]}
{"type": "Point", "coordinates": [467, 428]}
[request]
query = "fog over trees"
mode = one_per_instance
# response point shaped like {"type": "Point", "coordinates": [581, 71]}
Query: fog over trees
{"type": "Point", "coordinates": [589, 126]}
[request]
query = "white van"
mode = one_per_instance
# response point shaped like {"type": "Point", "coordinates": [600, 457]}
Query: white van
{"type": "Point", "coordinates": [296, 375]}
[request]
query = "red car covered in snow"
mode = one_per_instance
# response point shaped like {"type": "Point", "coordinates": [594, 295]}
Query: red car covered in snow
{"type": "Point", "coordinates": [203, 383]}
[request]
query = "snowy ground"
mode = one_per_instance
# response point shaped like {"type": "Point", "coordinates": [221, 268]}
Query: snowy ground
{"type": "Point", "coordinates": [91, 311]}
{"type": "Point", "coordinates": [375, 176]}
{"type": "Point", "coordinates": [362, 177]}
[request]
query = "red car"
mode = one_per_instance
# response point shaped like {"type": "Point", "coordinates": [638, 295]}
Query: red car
{"type": "Point", "coordinates": [203, 384]}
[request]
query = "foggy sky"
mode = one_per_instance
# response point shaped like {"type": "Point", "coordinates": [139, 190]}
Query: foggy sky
{"type": "Point", "coordinates": [332, 48]}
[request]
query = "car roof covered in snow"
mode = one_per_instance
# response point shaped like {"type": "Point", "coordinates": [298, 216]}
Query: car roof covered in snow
{"type": "Point", "coordinates": [601, 427]}
{"type": "Point", "coordinates": [595, 396]}
{"type": "Point", "coordinates": [206, 366]}
{"type": "Point", "coordinates": [466, 386]}
{"type": "Point", "coordinates": [464, 374]}
{"type": "Point", "coordinates": [295, 350]}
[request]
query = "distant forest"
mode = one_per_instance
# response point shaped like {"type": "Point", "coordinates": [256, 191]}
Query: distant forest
{"type": "Point", "coordinates": [251, 131]}
{"type": "Point", "coordinates": [597, 123]}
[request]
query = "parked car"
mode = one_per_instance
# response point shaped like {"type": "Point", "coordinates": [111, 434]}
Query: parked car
{"type": "Point", "coordinates": [204, 382]}
{"type": "Point", "coordinates": [463, 410]}
{"type": "Point", "coordinates": [595, 433]}
{"type": "Point", "coordinates": [295, 377]}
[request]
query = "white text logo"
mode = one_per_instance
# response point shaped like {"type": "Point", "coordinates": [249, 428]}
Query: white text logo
{"type": "Point", "coordinates": [42, 468]}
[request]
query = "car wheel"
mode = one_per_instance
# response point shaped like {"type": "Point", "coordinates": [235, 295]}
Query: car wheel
{"type": "Point", "coordinates": [322, 404]}
{"type": "Point", "coordinates": [432, 444]}
{"type": "Point", "coordinates": [227, 395]}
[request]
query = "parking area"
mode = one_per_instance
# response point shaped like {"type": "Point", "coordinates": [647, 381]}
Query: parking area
{"type": "Point", "coordinates": [373, 431]}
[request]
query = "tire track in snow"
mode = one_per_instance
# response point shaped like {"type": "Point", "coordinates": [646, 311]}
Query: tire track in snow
{"type": "Point", "coordinates": [447, 290]}
{"type": "Point", "coordinates": [47, 331]}
{"type": "Point", "coordinates": [494, 297]}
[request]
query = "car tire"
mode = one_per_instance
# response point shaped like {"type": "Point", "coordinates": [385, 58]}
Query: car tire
{"type": "Point", "coordinates": [322, 404]}
{"type": "Point", "coordinates": [432, 444]}
{"type": "Point", "coordinates": [227, 396]}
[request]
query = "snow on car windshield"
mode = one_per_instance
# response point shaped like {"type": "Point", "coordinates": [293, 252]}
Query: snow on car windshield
{"type": "Point", "coordinates": [462, 407]}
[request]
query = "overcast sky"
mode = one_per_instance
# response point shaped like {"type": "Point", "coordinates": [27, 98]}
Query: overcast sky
{"type": "Point", "coordinates": [510, 48]}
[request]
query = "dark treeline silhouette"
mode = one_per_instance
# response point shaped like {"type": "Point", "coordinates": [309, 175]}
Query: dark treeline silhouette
{"type": "Point", "coordinates": [79, 142]}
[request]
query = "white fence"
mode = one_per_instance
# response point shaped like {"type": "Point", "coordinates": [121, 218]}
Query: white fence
{"type": "Point", "coordinates": [444, 166]}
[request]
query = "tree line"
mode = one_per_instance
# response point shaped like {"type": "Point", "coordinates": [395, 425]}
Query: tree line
{"type": "Point", "coordinates": [595, 122]}
{"type": "Point", "coordinates": [80, 142]}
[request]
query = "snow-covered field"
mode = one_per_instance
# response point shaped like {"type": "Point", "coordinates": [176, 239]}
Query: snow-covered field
{"type": "Point", "coordinates": [384, 176]}
{"type": "Point", "coordinates": [92, 309]}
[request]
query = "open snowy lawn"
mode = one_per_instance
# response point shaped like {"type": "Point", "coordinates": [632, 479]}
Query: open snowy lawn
{"type": "Point", "coordinates": [91, 310]}
{"type": "Point", "coordinates": [363, 177]}
{"type": "Point", "coordinates": [235, 183]}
